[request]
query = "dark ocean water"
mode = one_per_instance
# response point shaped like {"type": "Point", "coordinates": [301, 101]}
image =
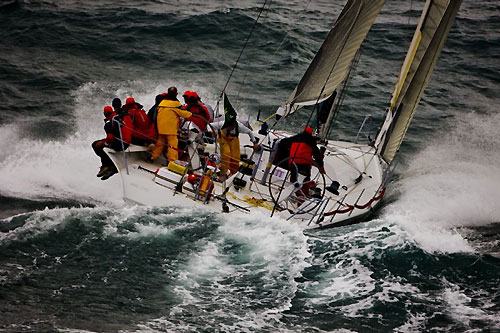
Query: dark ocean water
{"type": "Point", "coordinates": [74, 258]}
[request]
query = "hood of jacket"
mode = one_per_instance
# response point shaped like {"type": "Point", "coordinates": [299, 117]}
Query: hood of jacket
{"type": "Point", "coordinates": [166, 103]}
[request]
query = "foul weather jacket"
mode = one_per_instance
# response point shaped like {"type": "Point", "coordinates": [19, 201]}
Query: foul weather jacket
{"type": "Point", "coordinates": [143, 127]}
{"type": "Point", "coordinates": [119, 127]}
{"type": "Point", "coordinates": [169, 113]}
{"type": "Point", "coordinates": [301, 149]}
{"type": "Point", "coordinates": [201, 111]}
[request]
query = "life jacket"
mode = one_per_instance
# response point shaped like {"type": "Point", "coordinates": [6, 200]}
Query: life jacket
{"type": "Point", "coordinates": [301, 153]}
{"type": "Point", "coordinates": [200, 111]}
{"type": "Point", "coordinates": [120, 127]}
{"type": "Point", "coordinates": [143, 128]}
{"type": "Point", "coordinates": [210, 111]}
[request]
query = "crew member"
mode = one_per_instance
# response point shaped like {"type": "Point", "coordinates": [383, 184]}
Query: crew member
{"type": "Point", "coordinates": [153, 111]}
{"type": "Point", "coordinates": [201, 115]}
{"type": "Point", "coordinates": [209, 108]}
{"type": "Point", "coordinates": [98, 145]}
{"type": "Point", "coordinates": [117, 105]}
{"type": "Point", "coordinates": [228, 133]}
{"type": "Point", "coordinates": [144, 132]}
{"type": "Point", "coordinates": [168, 122]}
{"type": "Point", "coordinates": [117, 127]}
{"type": "Point", "coordinates": [302, 149]}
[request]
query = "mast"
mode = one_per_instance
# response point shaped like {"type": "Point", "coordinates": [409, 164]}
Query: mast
{"type": "Point", "coordinates": [432, 30]}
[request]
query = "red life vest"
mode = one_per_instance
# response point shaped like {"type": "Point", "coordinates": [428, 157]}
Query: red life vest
{"type": "Point", "coordinates": [120, 126]}
{"type": "Point", "coordinates": [301, 153]}
{"type": "Point", "coordinates": [199, 111]}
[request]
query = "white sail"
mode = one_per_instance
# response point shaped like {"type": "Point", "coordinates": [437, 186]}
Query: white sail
{"type": "Point", "coordinates": [331, 64]}
{"type": "Point", "coordinates": [425, 48]}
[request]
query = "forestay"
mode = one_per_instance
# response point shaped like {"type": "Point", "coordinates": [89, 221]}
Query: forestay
{"type": "Point", "coordinates": [331, 64]}
{"type": "Point", "coordinates": [428, 40]}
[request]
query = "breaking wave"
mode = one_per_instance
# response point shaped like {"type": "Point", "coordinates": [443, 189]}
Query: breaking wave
{"type": "Point", "coordinates": [450, 184]}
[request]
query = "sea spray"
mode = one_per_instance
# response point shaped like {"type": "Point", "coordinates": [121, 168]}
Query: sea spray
{"type": "Point", "coordinates": [453, 182]}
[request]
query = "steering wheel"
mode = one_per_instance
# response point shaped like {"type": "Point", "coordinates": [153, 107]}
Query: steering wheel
{"type": "Point", "coordinates": [291, 195]}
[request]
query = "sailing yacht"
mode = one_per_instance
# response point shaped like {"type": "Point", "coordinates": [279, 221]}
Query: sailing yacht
{"type": "Point", "coordinates": [356, 175]}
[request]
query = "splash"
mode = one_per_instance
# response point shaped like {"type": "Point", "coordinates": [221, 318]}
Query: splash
{"type": "Point", "coordinates": [452, 183]}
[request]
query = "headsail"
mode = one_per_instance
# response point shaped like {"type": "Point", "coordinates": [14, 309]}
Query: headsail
{"type": "Point", "coordinates": [428, 40]}
{"type": "Point", "coordinates": [331, 64]}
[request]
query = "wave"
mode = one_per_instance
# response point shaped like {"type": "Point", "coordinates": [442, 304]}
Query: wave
{"type": "Point", "coordinates": [180, 261]}
{"type": "Point", "coordinates": [451, 183]}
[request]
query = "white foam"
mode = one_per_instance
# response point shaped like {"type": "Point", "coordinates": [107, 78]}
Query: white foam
{"type": "Point", "coordinates": [415, 323]}
{"type": "Point", "coordinates": [41, 222]}
{"type": "Point", "coordinates": [462, 308]}
{"type": "Point", "coordinates": [453, 182]}
{"type": "Point", "coordinates": [272, 249]}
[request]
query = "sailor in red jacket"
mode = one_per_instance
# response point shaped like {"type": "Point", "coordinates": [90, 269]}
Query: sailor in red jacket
{"type": "Point", "coordinates": [302, 149]}
{"type": "Point", "coordinates": [98, 145]}
{"type": "Point", "coordinates": [201, 115]}
{"type": "Point", "coordinates": [119, 131]}
{"type": "Point", "coordinates": [143, 131]}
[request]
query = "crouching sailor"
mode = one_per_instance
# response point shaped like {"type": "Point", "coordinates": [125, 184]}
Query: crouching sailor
{"type": "Point", "coordinates": [118, 136]}
{"type": "Point", "coordinates": [201, 115]}
{"type": "Point", "coordinates": [143, 132]}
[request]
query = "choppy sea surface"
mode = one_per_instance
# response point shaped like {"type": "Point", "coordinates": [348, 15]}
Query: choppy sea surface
{"type": "Point", "coordinates": [75, 258]}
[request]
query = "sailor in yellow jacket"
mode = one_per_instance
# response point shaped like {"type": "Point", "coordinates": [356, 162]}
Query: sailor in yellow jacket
{"type": "Point", "coordinates": [168, 123]}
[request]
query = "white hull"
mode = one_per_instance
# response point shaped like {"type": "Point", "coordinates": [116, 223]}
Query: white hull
{"type": "Point", "coordinates": [357, 168]}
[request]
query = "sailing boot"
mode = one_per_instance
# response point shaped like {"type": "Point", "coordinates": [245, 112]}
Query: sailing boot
{"type": "Point", "coordinates": [109, 173]}
{"type": "Point", "coordinates": [102, 171]}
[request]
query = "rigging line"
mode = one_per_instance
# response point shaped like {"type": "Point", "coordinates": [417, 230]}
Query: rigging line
{"type": "Point", "coordinates": [242, 49]}
{"type": "Point", "coordinates": [217, 113]}
{"type": "Point", "coordinates": [411, 8]}
{"type": "Point", "coordinates": [252, 58]}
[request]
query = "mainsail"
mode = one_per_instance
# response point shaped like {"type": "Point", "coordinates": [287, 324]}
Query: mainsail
{"type": "Point", "coordinates": [331, 64]}
{"type": "Point", "coordinates": [428, 40]}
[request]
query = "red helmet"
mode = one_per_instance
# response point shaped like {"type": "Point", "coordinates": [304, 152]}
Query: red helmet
{"type": "Point", "coordinates": [195, 95]}
{"type": "Point", "coordinates": [129, 100]}
{"type": "Point", "coordinates": [187, 93]}
{"type": "Point", "coordinates": [308, 130]}
{"type": "Point", "coordinates": [108, 112]}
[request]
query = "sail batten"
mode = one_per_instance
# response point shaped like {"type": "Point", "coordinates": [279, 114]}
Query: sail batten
{"type": "Point", "coordinates": [432, 30]}
{"type": "Point", "coordinates": [331, 64]}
